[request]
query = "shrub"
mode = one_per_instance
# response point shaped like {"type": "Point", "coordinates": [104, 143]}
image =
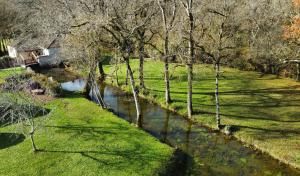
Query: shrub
{"type": "Point", "coordinates": [17, 82]}
{"type": "Point", "coordinates": [50, 86]}
{"type": "Point", "coordinates": [6, 62]}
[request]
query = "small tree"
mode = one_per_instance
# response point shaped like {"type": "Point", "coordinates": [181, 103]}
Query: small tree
{"type": "Point", "coordinates": [20, 109]}
{"type": "Point", "coordinates": [168, 10]}
{"type": "Point", "coordinates": [218, 40]}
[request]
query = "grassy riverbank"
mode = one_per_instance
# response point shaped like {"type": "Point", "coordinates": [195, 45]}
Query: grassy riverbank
{"type": "Point", "coordinates": [264, 109]}
{"type": "Point", "coordinates": [81, 139]}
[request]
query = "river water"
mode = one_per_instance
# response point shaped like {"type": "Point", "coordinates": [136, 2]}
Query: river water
{"type": "Point", "coordinates": [200, 151]}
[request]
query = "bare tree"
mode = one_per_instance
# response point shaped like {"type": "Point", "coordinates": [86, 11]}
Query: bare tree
{"type": "Point", "coordinates": [122, 27]}
{"type": "Point", "coordinates": [168, 10]}
{"type": "Point", "coordinates": [218, 40]}
{"type": "Point", "coordinates": [190, 14]}
{"type": "Point", "coordinates": [20, 109]}
{"type": "Point", "coordinates": [144, 34]}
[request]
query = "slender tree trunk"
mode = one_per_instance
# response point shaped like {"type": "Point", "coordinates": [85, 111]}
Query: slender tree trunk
{"type": "Point", "coordinates": [141, 68]}
{"type": "Point", "coordinates": [218, 118]}
{"type": "Point", "coordinates": [98, 96]}
{"type": "Point", "coordinates": [167, 82]}
{"type": "Point", "coordinates": [127, 77]}
{"type": "Point", "coordinates": [135, 93]}
{"type": "Point", "coordinates": [88, 86]}
{"type": "Point", "coordinates": [91, 86]}
{"type": "Point", "coordinates": [190, 90]}
{"type": "Point", "coordinates": [166, 70]}
{"type": "Point", "coordinates": [101, 71]}
{"type": "Point", "coordinates": [32, 142]}
{"type": "Point", "coordinates": [31, 135]}
{"type": "Point", "coordinates": [298, 71]}
{"type": "Point", "coordinates": [190, 63]}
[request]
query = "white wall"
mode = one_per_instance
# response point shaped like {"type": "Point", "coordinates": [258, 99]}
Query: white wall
{"type": "Point", "coordinates": [12, 52]}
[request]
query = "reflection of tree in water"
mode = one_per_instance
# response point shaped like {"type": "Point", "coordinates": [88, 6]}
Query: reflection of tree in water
{"type": "Point", "coordinates": [165, 127]}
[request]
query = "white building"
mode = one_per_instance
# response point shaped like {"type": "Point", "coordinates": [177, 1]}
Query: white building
{"type": "Point", "coordinates": [40, 51]}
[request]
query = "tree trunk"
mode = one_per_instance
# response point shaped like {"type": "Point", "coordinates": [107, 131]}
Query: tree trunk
{"type": "Point", "coordinates": [298, 71]}
{"type": "Point", "coordinates": [101, 71]}
{"type": "Point", "coordinates": [88, 87]}
{"type": "Point", "coordinates": [167, 82]}
{"type": "Point", "coordinates": [127, 74]}
{"type": "Point", "coordinates": [141, 68]}
{"type": "Point", "coordinates": [190, 90]}
{"type": "Point", "coordinates": [134, 92]}
{"type": "Point", "coordinates": [166, 69]}
{"type": "Point", "coordinates": [31, 134]}
{"type": "Point", "coordinates": [97, 96]}
{"type": "Point", "coordinates": [190, 63]}
{"type": "Point", "coordinates": [91, 86]}
{"type": "Point", "coordinates": [218, 118]}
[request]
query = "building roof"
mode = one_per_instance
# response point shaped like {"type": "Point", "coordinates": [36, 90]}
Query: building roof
{"type": "Point", "coordinates": [30, 42]}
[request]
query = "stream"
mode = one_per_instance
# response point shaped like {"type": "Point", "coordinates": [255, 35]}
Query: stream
{"type": "Point", "coordinates": [202, 152]}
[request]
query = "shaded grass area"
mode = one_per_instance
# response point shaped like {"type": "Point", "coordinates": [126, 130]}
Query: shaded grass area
{"type": "Point", "coordinates": [81, 139]}
{"type": "Point", "coordinates": [265, 110]}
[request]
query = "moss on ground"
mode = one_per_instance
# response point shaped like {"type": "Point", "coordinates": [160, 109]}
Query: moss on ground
{"type": "Point", "coordinates": [264, 108]}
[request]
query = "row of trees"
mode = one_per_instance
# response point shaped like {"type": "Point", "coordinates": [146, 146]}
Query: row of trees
{"type": "Point", "coordinates": [242, 33]}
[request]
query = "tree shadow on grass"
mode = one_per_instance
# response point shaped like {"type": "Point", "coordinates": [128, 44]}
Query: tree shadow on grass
{"type": "Point", "coordinates": [10, 139]}
{"type": "Point", "coordinates": [268, 131]}
{"type": "Point", "coordinates": [177, 165]}
{"type": "Point", "coordinates": [138, 154]}
{"type": "Point", "coordinates": [199, 112]}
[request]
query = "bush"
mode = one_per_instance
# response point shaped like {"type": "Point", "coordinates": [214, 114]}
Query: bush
{"type": "Point", "coordinates": [17, 82]}
{"type": "Point", "coordinates": [7, 62]}
{"type": "Point", "coordinates": [31, 81]}
{"type": "Point", "coordinates": [50, 86]}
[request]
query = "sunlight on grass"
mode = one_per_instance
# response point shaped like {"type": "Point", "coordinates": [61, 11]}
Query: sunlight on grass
{"type": "Point", "coordinates": [265, 109]}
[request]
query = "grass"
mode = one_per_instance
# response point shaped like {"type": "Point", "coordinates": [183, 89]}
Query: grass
{"type": "Point", "coordinates": [264, 109]}
{"type": "Point", "coordinates": [81, 139]}
{"type": "Point", "coordinates": [7, 72]}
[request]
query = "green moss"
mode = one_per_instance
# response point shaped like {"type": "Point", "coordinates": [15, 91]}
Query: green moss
{"type": "Point", "coordinates": [264, 109]}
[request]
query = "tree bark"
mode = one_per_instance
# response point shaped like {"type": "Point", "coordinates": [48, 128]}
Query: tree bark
{"type": "Point", "coordinates": [101, 71]}
{"type": "Point", "coordinates": [190, 90]}
{"type": "Point", "coordinates": [31, 135]}
{"type": "Point", "coordinates": [167, 82]}
{"type": "Point", "coordinates": [190, 61]}
{"type": "Point", "coordinates": [218, 118]}
{"type": "Point", "coordinates": [91, 86]}
{"type": "Point", "coordinates": [141, 68]}
{"type": "Point", "coordinates": [98, 96]}
{"type": "Point", "coordinates": [135, 93]}
{"type": "Point", "coordinates": [127, 77]}
{"type": "Point", "coordinates": [166, 69]}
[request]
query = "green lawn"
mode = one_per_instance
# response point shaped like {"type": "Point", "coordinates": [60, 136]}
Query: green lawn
{"type": "Point", "coordinates": [6, 72]}
{"type": "Point", "coordinates": [81, 139]}
{"type": "Point", "coordinates": [265, 109]}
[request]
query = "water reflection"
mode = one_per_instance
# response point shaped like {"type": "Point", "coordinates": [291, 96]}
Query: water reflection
{"type": "Point", "coordinates": [76, 85]}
